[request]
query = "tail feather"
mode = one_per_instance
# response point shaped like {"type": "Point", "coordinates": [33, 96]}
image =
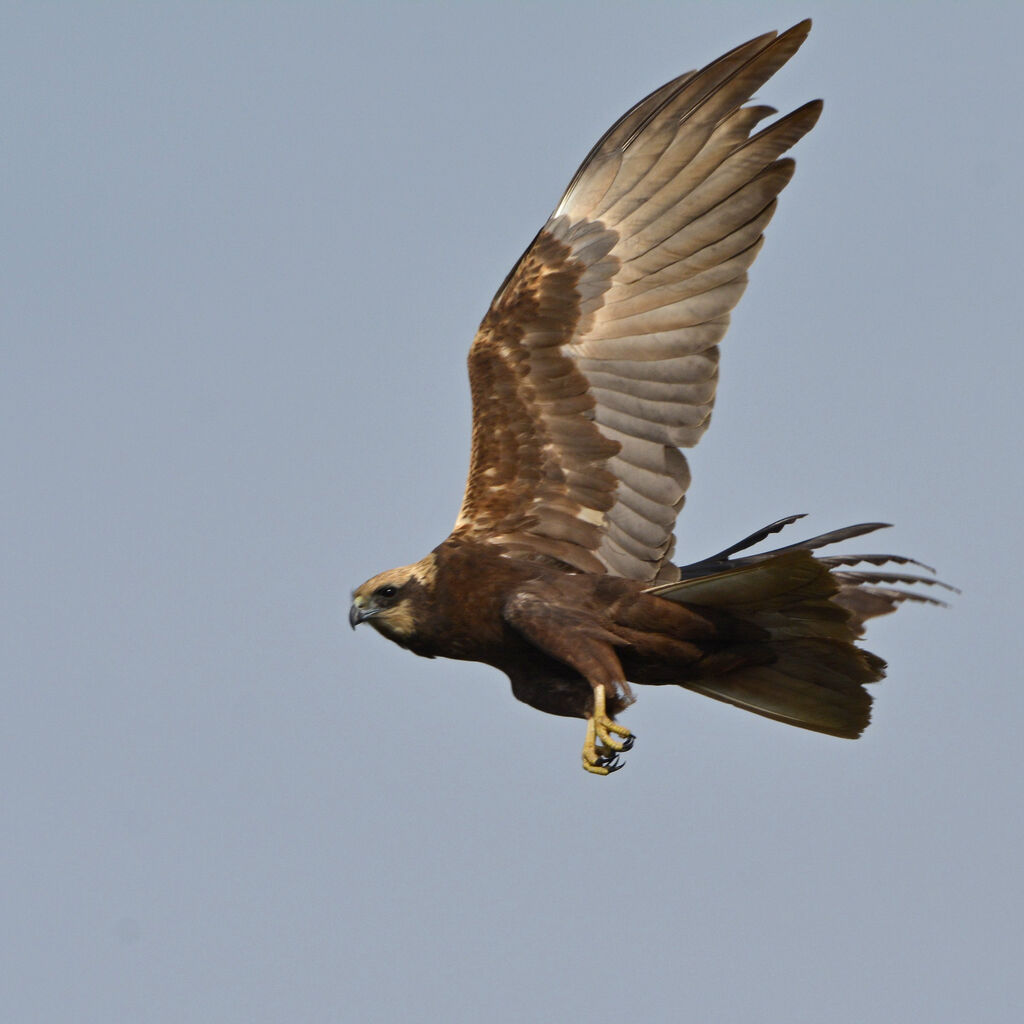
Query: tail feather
{"type": "Point", "coordinates": [865, 602]}
{"type": "Point", "coordinates": [798, 689]}
{"type": "Point", "coordinates": [807, 670]}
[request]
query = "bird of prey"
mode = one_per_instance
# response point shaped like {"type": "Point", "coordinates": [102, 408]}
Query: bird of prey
{"type": "Point", "coordinates": [595, 363]}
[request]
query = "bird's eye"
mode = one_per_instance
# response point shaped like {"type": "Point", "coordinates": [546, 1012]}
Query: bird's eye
{"type": "Point", "coordinates": [388, 591]}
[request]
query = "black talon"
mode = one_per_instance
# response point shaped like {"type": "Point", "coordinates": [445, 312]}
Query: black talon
{"type": "Point", "coordinates": [627, 743]}
{"type": "Point", "coordinates": [615, 766]}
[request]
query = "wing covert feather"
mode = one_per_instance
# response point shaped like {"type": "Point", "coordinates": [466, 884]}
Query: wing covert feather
{"type": "Point", "coordinates": [598, 358]}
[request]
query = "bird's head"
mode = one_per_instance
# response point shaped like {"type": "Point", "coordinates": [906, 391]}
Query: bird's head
{"type": "Point", "coordinates": [391, 600]}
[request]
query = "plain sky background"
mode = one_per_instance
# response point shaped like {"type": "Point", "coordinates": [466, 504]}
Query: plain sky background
{"type": "Point", "coordinates": [243, 250]}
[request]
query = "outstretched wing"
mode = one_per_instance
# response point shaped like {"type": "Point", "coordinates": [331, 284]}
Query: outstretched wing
{"type": "Point", "coordinates": [598, 357]}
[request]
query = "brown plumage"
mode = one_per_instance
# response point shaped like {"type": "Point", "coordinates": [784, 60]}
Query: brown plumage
{"type": "Point", "coordinates": [596, 361]}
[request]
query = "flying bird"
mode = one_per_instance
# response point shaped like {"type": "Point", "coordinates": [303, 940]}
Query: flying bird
{"type": "Point", "coordinates": [595, 363]}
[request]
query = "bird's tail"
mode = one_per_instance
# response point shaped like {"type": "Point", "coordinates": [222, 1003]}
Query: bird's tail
{"type": "Point", "coordinates": [800, 663]}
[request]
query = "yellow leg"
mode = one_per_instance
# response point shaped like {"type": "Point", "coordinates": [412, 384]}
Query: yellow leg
{"type": "Point", "coordinates": [601, 747]}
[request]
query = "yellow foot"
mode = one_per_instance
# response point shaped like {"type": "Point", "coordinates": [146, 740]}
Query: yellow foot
{"type": "Point", "coordinates": [606, 739]}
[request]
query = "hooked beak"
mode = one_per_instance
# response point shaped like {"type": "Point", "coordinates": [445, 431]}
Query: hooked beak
{"type": "Point", "coordinates": [356, 614]}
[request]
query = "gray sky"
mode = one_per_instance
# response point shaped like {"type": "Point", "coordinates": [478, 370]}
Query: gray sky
{"type": "Point", "coordinates": [245, 249]}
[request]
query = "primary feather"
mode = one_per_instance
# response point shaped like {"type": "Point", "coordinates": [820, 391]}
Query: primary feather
{"type": "Point", "coordinates": [598, 358]}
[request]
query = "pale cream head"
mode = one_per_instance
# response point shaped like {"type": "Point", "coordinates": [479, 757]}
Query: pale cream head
{"type": "Point", "coordinates": [386, 600]}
